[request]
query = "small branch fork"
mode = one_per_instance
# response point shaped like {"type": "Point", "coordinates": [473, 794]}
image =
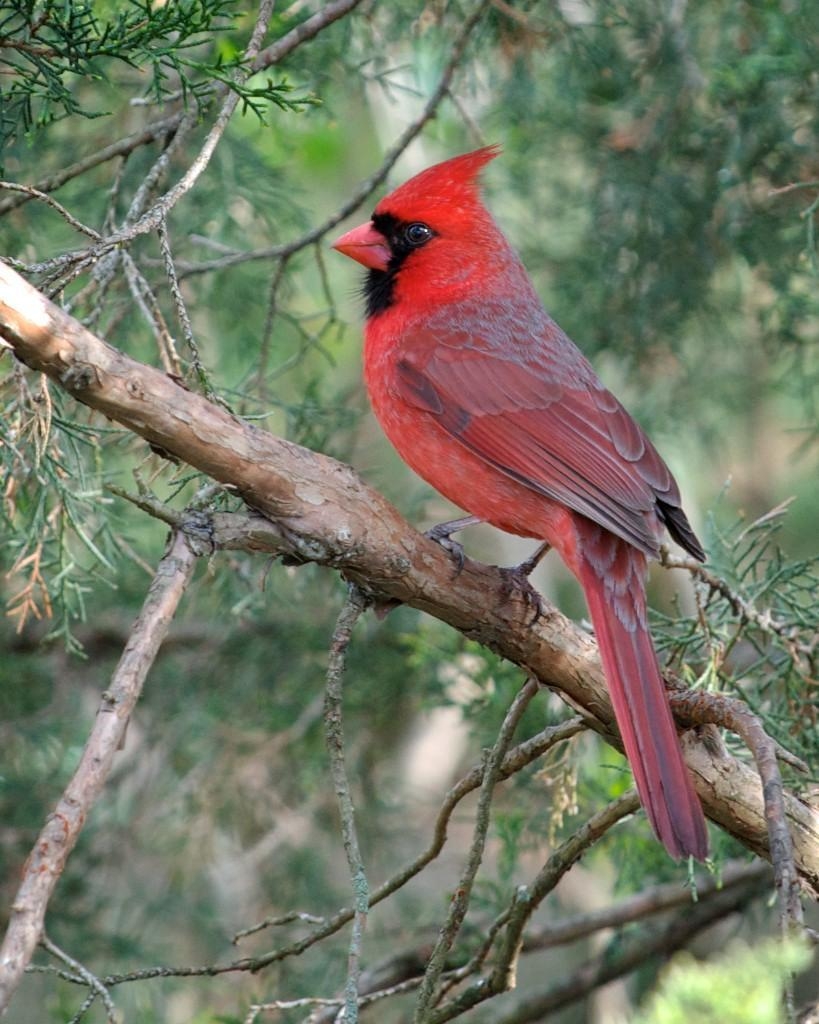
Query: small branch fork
{"type": "Point", "coordinates": [459, 903]}
{"type": "Point", "coordinates": [59, 835]}
{"type": "Point", "coordinates": [704, 708]}
{"type": "Point", "coordinates": [96, 987]}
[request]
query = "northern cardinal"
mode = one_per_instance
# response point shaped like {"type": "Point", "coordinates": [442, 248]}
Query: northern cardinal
{"type": "Point", "coordinates": [486, 398]}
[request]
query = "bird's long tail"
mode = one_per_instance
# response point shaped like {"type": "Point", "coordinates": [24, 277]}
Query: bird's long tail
{"type": "Point", "coordinates": [612, 573]}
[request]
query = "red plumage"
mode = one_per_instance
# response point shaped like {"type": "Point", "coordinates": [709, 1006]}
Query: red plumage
{"type": "Point", "coordinates": [486, 398]}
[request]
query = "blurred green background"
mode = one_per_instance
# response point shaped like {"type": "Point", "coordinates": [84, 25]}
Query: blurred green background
{"type": "Point", "coordinates": [658, 177]}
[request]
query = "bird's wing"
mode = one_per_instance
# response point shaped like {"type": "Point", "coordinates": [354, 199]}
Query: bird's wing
{"type": "Point", "coordinates": [560, 433]}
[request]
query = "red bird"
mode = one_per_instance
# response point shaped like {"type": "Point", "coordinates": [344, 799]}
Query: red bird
{"type": "Point", "coordinates": [486, 398]}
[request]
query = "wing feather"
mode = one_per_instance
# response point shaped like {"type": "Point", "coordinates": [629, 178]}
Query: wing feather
{"type": "Point", "coordinates": [562, 434]}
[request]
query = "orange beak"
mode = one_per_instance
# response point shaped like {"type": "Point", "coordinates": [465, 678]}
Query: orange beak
{"type": "Point", "coordinates": [365, 245]}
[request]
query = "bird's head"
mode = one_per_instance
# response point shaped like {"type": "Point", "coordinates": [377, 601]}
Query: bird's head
{"type": "Point", "coordinates": [427, 232]}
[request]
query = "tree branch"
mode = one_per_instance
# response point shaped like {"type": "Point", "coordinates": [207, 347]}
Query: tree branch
{"type": "Point", "coordinates": [626, 957]}
{"type": "Point", "coordinates": [59, 835]}
{"type": "Point", "coordinates": [459, 903]}
{"type": "Point", "coordinates": [644, 904]}
{"type": "Point", "coordinates": [734, 715]}
{"type": "Point", "coordinates": [354, 607]}
{"type": "Point", "coordinates": [368, 186]}
{"type": "Point", "coordinates": [321, 511]}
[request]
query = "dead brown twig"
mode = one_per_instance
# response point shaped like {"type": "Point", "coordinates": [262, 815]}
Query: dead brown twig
{"type": "Point", "coordinates": [55, 842]}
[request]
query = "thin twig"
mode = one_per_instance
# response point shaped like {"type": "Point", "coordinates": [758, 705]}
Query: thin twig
{"type": "Point", "coordinates": [275, 922]}
{"type": "Point", "coordinates": [369, 185]}
{"type": "Point", "coordinates": [93, 982]}
{"type": "Point", "coordinates": [277, 1005]}
{"type": "Point", "coordinates": [83, 1008]}
{"type": "Point", "coordinates": [349, 615]}
{"type": "Point", "coordinates": [59, 835]}
{"type": "Point", "coordinates": [148, 304]}
{"type": "Point", "coordinates": [793, 187]}
{"type": "Point", "coordinates": [624, 957]}
{"type": "Point", "coordinates": [182, 311]}
{"type": "Point", "coordinates": [267, 330]}
{"type": "Point", "coordinates": [459, 903]}
{"type": "Point", "coordinates": [35, 193]}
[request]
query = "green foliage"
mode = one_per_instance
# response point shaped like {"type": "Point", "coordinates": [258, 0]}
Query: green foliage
{"type": "Point", "coordinates": [755, 636]}
{"type": "Point", "coordinates": [51, 45]}
{"type": "Point", "coordinates": [743, 986]}
{"type": "Point", "coordinates": [645, 179]}
{"type": "Point", "coordinates": [54, 48]}
{"type": "Point", "coordinates": [660, 235]}
{"type": "Point", "coordinates": [58, 542]}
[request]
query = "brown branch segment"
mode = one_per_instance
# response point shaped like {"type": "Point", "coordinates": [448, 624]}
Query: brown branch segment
{"type": "Point", "coordinates": [321, 511]}
{"type": "Point", "coordinates": [733, 714]}
{"type": "Point", "coordinates": [59, 835]}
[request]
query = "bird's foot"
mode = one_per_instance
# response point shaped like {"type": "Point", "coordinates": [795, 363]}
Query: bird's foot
{"type": "Point", "coordinates": [517, 580]}
{"type": "Point", "coordinates": [442, 534]}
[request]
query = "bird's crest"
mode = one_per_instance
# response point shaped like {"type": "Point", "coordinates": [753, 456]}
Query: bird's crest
{"type": "Point", "coordinates": [451, 185]}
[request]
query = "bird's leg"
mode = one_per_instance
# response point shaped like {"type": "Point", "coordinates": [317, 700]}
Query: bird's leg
{"type": "Point", "coordinates": [528, 566]}
{"type": "Point", "coordinates": [518, 579]}
{"type": "Point", "coordinates": [442, 534]}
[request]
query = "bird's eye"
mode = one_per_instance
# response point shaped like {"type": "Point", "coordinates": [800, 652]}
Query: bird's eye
{"type": "Point", "coordinates": [417, 234]}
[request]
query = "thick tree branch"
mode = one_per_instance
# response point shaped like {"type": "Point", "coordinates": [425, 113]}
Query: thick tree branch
{"type": "Point", "coordinates": [56, 841]}
{"type": "Point", "coordinates": [321, 511]}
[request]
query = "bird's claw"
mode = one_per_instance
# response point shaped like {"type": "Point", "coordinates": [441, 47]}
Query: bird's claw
{"type": "Point", "coordinates": [442, 534]}
{"type": "Point", "coordinates": [453, 547]}
{"type": "Point", "coordinates": [516, 580]}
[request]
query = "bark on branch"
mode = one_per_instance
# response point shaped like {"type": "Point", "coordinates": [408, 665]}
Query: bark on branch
{"type": "Point", "coordinates": [60, 833]}
{"type": "Point", "coordinates": [321, 511]}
